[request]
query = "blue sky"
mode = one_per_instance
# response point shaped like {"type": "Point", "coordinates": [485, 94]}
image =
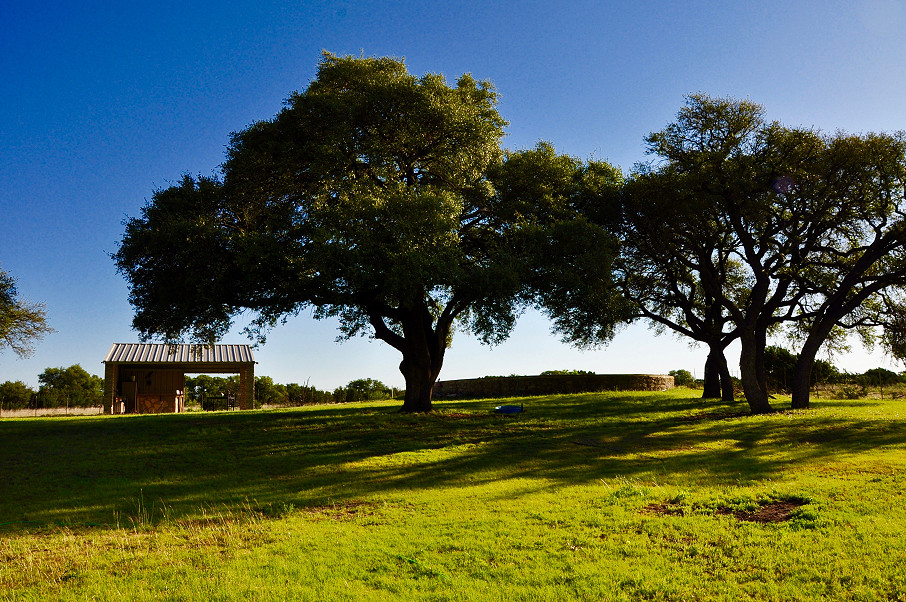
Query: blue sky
{"type": "Point", "coordinates": [103, 102]}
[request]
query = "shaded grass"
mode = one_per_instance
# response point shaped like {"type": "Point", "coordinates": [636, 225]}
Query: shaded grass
{"type": "Point", "coordinates": [361, 502]}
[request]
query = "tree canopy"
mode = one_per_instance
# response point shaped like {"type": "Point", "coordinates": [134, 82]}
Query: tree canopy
{"type": "Point", "coordinates": [381, 199]}
{"type": "Point", "coordinates": [14, 395]}
{"type": "Point", "coordinates": [22, 323]}
{"type": "Point", "coordinates": [659, 275]}
{"type": "Point", "coordinates": [362, 389]}
{"type": "Point", "coordinates": [779, 225]}
{"type": "Point", "coordinates": [72, 386]}
{"type": "Point", "coordinates": [385, 200]}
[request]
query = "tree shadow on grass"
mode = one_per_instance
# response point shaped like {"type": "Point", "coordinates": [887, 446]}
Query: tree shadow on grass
{"type": "Point", "coordinates": [106, 469]}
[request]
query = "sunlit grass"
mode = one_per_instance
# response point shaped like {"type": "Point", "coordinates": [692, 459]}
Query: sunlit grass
{"type": "Point", "coordinates": [618, 496]}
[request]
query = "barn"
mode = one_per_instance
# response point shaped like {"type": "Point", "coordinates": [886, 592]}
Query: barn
{"type": "Point", "coordinates": [148, 378]}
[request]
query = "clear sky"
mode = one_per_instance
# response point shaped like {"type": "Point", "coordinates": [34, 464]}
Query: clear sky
{"type": "Point", "coordinates": [102, 102]}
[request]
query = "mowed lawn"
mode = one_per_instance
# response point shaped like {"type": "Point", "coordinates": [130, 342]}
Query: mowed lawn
{"type": "Point", "coordinates": [610, 496]}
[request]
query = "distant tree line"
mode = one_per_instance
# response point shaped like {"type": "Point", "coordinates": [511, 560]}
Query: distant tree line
{"type": "Point", "coordinates": [545, 373]}
{"type": "Point", "coordinates": [60, 387]}
{"type": "Point", "coordinates": [267, 392]}
{"type": "Point", "coordinates": [75, 387]}
{"type": "Point", "coordinates": [780, 366]}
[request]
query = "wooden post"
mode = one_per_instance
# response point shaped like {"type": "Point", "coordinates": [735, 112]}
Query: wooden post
{"type": "Point", "coordinates": [111, 372]}
{"type": "Point", "coordinates": [247, 387]}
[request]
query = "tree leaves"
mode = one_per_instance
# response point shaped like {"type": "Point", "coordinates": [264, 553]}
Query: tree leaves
{"type": "Point", "coordinates": [377, 197]}
{"type": "Point", "coordinates": [22, 323]}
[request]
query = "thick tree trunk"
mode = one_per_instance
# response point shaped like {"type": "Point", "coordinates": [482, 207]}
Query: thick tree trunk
{"type": "Point", "coordinates": [802, 373]}
{"type": "Point", "coordinates": [751, 367]}
{"type": "Point", "coordinates": [420, 380]}
{"type": "Point", "coordinates": [801, 385]}
{"type": "Point", "coordinates": [726, 381]}
{"type": "Point", "coordinates": [422, 361]}
{"type": "Point", "coordinates": [712, 374]}
{"type": "Point", "coordinates": [423, 345]}
{"type": "Point", "coordinates": [718, 383]}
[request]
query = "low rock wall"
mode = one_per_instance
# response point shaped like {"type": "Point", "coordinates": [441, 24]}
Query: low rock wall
{"type": "Point", "coordinates": [516, 386]}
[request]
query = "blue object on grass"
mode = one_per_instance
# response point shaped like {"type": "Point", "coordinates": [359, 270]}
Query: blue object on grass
{"type": "Point", "coordinates": [508, 409]}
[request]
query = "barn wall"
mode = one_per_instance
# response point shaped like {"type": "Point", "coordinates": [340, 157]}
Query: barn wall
{"type": "Point", "coordinates": [156, 389]}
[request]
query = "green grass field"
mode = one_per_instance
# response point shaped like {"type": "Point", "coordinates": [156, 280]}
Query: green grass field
{"type": "Point", "coordinates": [614, 496]}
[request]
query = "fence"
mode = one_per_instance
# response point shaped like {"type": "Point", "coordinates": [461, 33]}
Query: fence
{"type": "Point", "coordinates": [38, 412]}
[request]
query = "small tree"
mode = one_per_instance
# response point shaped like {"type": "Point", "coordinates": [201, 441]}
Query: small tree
{"type": "Point", "coordinates": [15, 395]}
{"type": "Point", "coordinates": [880, 377]}
{"type": "Point", "coordinates": [363, 389]}
{"type": "Point", "coordinates": [22, 324]}
{"type": "Point", "coordinates": [268, 392]}
{"type": "Point", "coordinates": [368, 388]}
{"type": "Point", "coordinates": [779, 365]}
{"type": "Point", "coordinates": [682, 378]}
{"type": "Point", "coordinates": [72, 386]}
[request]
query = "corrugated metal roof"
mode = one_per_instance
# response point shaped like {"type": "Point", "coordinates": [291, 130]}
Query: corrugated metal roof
{"type": "Point", "coordinates": [144, 353]}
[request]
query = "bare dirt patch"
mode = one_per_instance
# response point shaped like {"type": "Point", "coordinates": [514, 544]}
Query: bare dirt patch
{"type": "Point", "coordinates": [664, 509]}
{"type": "Point", "coordinates": [343, 511]}
{"type": "Point", "coordinates": [777, 511]}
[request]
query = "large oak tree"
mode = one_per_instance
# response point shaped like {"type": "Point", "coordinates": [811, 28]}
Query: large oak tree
{"type": "Point", "coordinates": [379, 198]}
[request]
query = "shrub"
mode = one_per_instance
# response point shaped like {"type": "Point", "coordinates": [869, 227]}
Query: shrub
{"type": "Point", "coordinates": [14, 395]}
{"type": "Point", "coordinates": [363, 389]}
{"type": "Point", "coordinates": [879, 377]}
{"type": "Point", "coordinates": [682, 378]}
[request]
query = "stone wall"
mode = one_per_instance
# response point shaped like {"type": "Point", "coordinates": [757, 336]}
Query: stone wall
{"type": "Point", "coordinates": [515, 386]}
